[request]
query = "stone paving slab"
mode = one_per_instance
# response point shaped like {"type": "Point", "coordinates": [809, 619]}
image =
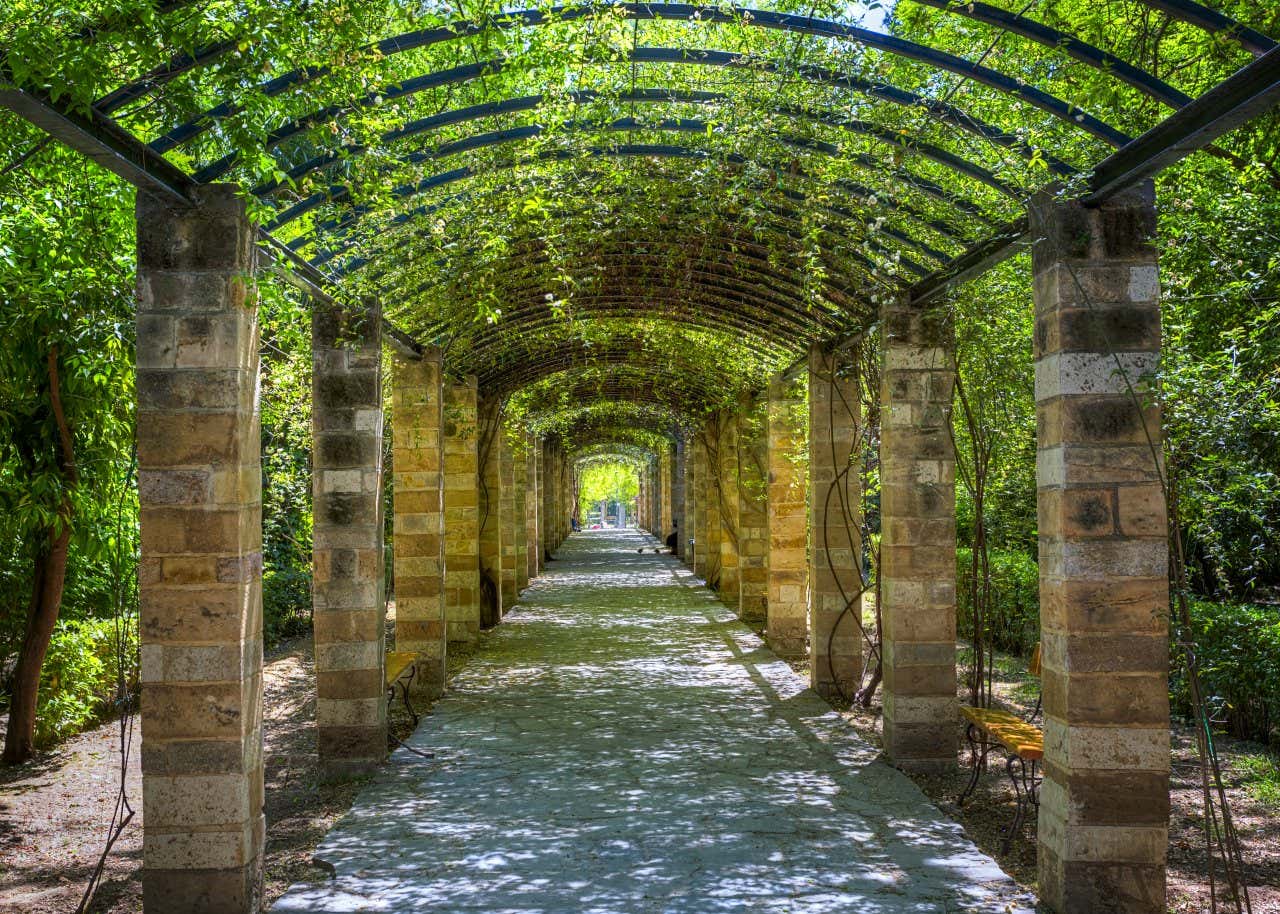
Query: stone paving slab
{"type": "Point", "coordinates": [622, 744]}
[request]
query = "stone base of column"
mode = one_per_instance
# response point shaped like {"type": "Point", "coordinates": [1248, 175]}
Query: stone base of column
{"type": "Point", "coordinates": [229, 890]}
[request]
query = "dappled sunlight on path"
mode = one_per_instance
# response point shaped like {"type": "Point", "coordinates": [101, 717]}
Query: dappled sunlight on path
{"type": "Point", "coordinates": [623, 744]}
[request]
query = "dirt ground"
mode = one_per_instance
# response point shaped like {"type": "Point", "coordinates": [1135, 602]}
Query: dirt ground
{"type": "Point", "coordinates": [55, 811]}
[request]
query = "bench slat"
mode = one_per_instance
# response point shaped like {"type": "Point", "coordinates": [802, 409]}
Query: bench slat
{"type": "Point", "coordinates": [398, 663]}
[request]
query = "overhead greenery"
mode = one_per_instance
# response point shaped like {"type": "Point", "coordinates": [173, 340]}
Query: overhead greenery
{"type": "Point", "coordinates": [620, 220]}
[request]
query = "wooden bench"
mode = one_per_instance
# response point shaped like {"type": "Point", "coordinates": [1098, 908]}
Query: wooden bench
{"type": "Point", "coordinates": [402, 669]}
{"type": "Point", "coordinates": [1021, 741]}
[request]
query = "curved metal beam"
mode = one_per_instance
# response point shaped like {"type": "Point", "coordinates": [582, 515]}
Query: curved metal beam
{"type": "Point", "coordinates": [685, 12]}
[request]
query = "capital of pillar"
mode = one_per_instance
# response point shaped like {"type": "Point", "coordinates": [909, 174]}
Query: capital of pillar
{"type": "Point", "coordinates": [200, 572]}
{"type": "Point", "coordinates": [1103, 556]}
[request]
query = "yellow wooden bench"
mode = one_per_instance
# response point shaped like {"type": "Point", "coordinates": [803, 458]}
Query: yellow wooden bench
{"type": "Point", "coordinates": [402, 669]}
{"type": "Point", "coordinates": [1021, 742]}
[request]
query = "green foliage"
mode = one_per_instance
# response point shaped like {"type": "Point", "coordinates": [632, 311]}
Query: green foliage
{"type": "Point", "coordinates": [1238, 647]}
{"type": "Point", "coordinates": [78, 683]}
{"type": "Point", "coordinates": [1260, 774]}
{"type": "Point", "coordinates": [286, 465]}
{"type": "Point", "coordinates": [1014, 615]}
{"type": "Point", "coordinates": [606, 479]}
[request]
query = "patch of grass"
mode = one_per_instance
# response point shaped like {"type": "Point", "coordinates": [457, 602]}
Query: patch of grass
{"type": "Point", "coordinates": [1260, 777]}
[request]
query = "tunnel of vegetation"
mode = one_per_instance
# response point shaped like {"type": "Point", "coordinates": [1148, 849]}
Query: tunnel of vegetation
{"type": "Point", "coordinates": [620, 222]}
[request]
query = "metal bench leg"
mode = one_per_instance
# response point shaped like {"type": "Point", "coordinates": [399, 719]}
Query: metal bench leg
{"type": "Point", "coordinates": [1026, 788]}
{"type": "Point", "coordinates": [979, 760]}
{"type": "Point", "coordinates": [404, 693]}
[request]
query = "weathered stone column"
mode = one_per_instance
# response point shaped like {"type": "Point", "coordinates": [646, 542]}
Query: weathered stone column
{"type": "Point", "coordinates": [665, 459]}
{"type": "Point", "coordinates": [699, 486]}
{"type": "Point", "coordinates": [710, 515]}
{"type": "Point", "coordinates": [787, 624]}
{"type": "Point", "coordinates": [347, 598]}
{"type": "Point", "coordinates": [532, 505]}
{"type": "Point", "coordinates": [520, 510]}
{"type": "Point", "coordinates": [835, 526]}
{"type": "Point", "coordinates": [507, 517]}
{"type": "Point", "coordinates": [200, 574]}
{"type": "Point", "coordinates": [461, 512]}
{"type": "Point", "coordinates": [1103, 557]}
{"type": "Point", "coordinates": [727, 489]}
{"type": "Point", "coordinates": [753, 510]}
{"type": "Point", "coordinates": [679, 497]}
{"type": "Point", "coordinates": [918, 538]}
{"type": "Point", "coordinates": [490, 505]}
{"type": "Point", "coordinates": [418, 541]}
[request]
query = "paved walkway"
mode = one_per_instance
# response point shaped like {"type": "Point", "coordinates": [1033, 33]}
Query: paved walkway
{"type": "Point", "coordinates": [622, 744]}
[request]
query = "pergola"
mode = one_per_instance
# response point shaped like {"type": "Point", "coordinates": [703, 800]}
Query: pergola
{"type": "Point", "coordinates": [641, 228]}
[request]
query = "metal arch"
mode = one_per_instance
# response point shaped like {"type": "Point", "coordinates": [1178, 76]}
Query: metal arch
{"type": "Point", "coordinates": [687, 125]}
{"type": "Point", "coordinates": [1195, 14]}
{"type": "Point", "coordinates": [1215, 23]}
{"type": "Point", "coordinates": [684, 12]}
{"type": "Point", "coordinates": [1146, 83]}
{"type": "Point", "coordinates": [724, 307]}
{"type": "Point", "coordinates": [614, 382]}
{"type": "Point", "coordinates": [692, 57]}
{"type": "Point", "coordinates": [779, 289]}
{"type": "Point", "coordinates": [334, 226]}
{"type": "Point", "coordinates": [346, 223]}
{"type": "Point", "coordinates": [720, 316]}
{"type": "Point", "coordinates": [715, 318]}
{"type": "Point", "coordinates": [837, 257]}
{"type": "Point", "coordinates": [739, 262]}
{"type": "Point", "coordinates": [746, 266]}
{"type": "Point", "coordinates": [782, 215]}
{"type": "Point", "coordinates": [523, 368]}
{"type": "Point", "coordinates": [339, 193]}
{"type": "Point", "coordinates": [769, 292]}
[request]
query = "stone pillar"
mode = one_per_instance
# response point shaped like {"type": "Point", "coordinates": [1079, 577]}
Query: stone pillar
{"type": "Point", "coordinates": [698, 486]}
{"type": "Point", "coordinates": [507, 517]}
{"type": "Point", "coordinates": [532, 504]}
{"type": "Point", "coordinates": [348, 603]}
{"type": "Point", "coordinates": [835, 526]}
{"type": "Point", "coordinates": [710, 500]}
{"type": "Point", "coordinates": [679, 497]}
{"type": "Point", "coordinates": [490, 505]}
{"type": "Point", "coordinates": [727, 490]}
{"type": "Point", "coordinates": [520, 512]}
{"type": "Point", "coordinates": [787, 625]}
{"type": "Point", "coordinates": [547, 522]}
{"type": "Point", "coordinates": [200, 574]}
{"type": "Point", "coordinates": [461, 512]}
{"type": "Point", "coordinates": [665, 459]}
{"type": "Point", "coordinates": [418, 541]}
{"type": "Point", "coordinates": [753, 508]}
{"type": "Point", "coordinates": [918, 538]}
{"type": "Point", "coordinates": [1103, 557]}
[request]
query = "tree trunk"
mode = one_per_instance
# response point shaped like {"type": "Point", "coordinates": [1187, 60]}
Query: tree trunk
{"type": "Point", "coordinates": [49, 576]}
{"type": "Point", "coordinates": [50, 573]}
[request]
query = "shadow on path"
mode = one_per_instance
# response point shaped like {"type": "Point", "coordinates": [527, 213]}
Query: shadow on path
{"type": "Point", "coordinates": [622, 744]}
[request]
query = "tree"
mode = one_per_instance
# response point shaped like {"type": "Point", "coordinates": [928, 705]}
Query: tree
{"type": "Point", "coordinates": [66, 388]}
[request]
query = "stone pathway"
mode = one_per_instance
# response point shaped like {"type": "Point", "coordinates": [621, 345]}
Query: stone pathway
{"type": "Point", "coordinates": [622, 744]}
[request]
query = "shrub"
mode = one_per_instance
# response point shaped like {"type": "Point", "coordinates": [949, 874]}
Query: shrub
{"type": "Point", "coordinates": [1013, 620]}
{"type": "Point", "coordinates": [1238, 646]}
{"type": "Point", "coordinates": [78, 680]}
